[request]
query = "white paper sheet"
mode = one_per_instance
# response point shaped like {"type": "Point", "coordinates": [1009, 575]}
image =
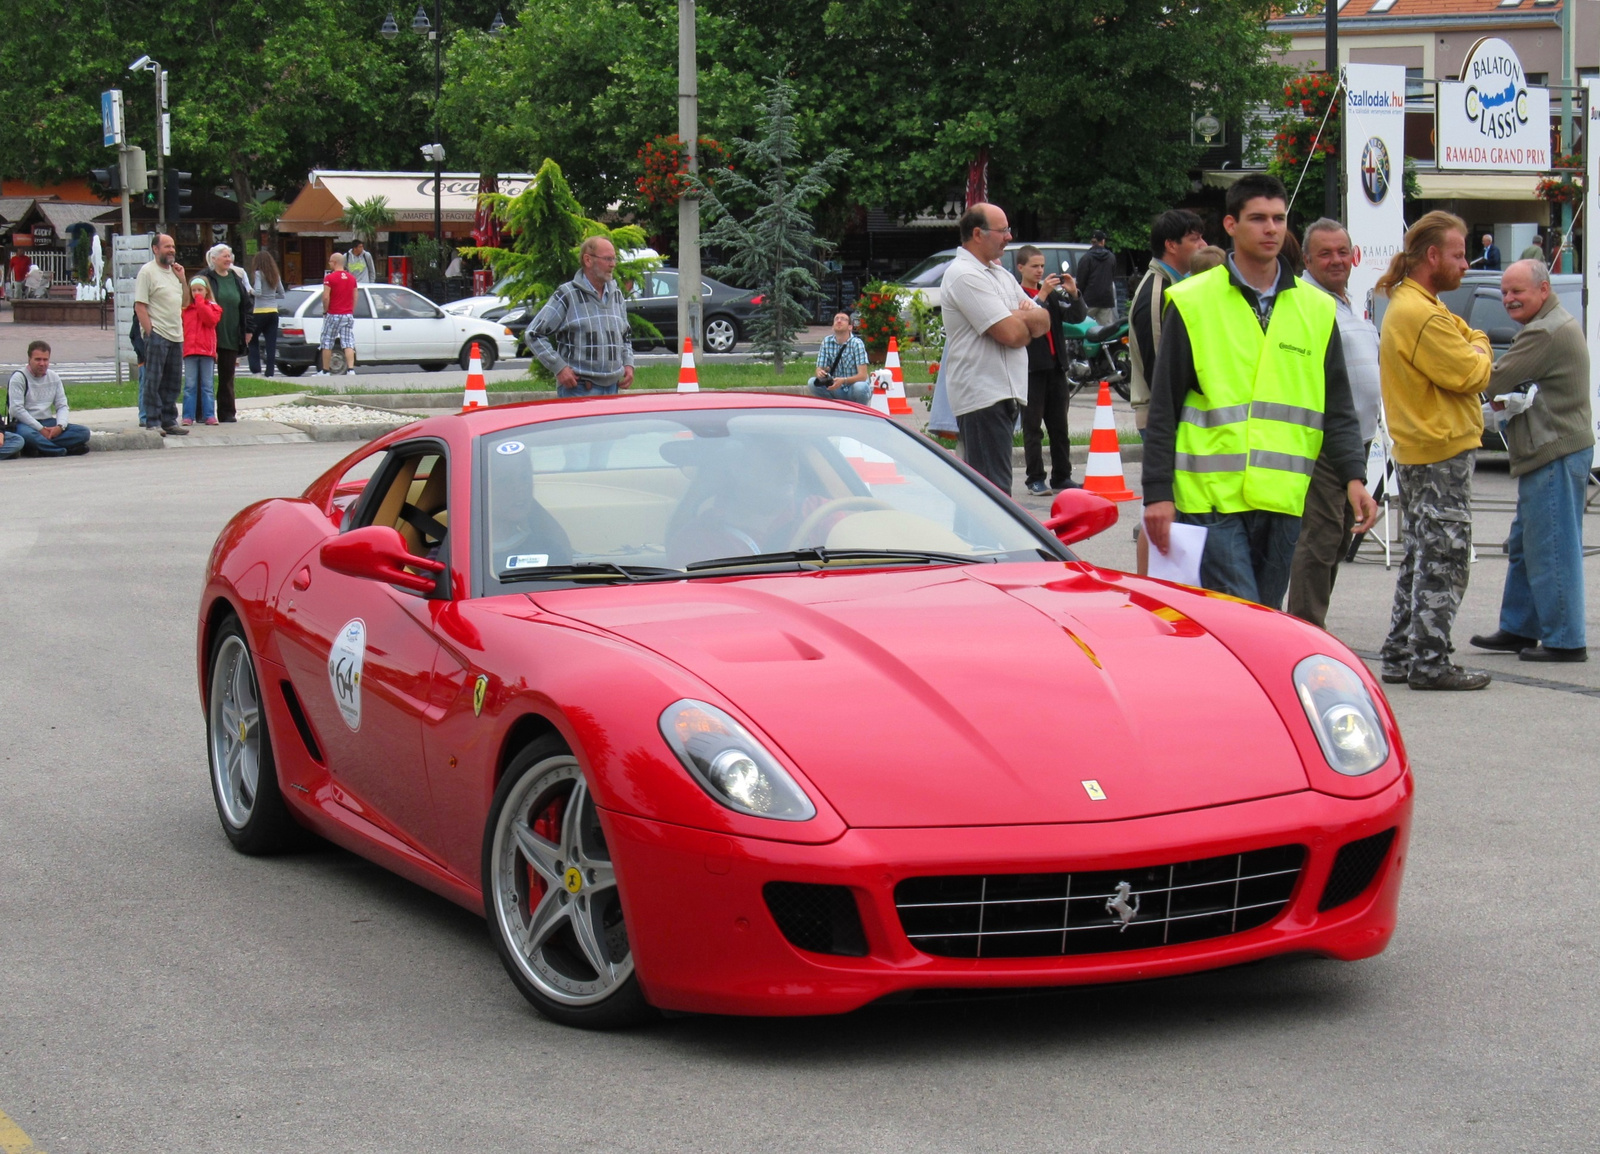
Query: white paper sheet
{"type": "Point", "coordinates": [1181, 561]}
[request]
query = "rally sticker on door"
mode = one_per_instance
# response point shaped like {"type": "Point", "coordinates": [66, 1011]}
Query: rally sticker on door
{"type": "Point", "coordinates": [344, 670]}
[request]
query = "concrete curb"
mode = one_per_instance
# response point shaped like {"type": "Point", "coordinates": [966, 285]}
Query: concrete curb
{"type": "Point", "coordinates": [127, 439]}
{"type": "Point", "coordinates": [361, 432]}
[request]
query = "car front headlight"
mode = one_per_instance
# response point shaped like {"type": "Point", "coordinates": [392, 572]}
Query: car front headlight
{"type": "Point", "coordinates": [730, 764]}
{"type": "Point", "coordinates": [1342, 713]}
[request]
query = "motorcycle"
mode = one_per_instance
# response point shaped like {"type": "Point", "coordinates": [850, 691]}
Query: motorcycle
{"type": "Point", "coordinates": [1097, 353]}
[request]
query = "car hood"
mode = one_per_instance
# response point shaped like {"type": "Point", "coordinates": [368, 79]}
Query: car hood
{"type": "Point", "coordinates": [979, 695]}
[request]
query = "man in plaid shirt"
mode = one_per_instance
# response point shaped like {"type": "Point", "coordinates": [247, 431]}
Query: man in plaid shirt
{"type": "Point", "coordinates": [842, 365]}
{"type": "Point", "coordinates": [581, 335]}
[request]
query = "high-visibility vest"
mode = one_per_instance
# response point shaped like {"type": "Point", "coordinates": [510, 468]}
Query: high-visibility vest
{"type": "Point", "coordinates": [1249, 436]}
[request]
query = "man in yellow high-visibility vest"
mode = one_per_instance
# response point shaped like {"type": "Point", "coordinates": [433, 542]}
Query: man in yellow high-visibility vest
{"type": "Point", "coordinates": [1249, 388]}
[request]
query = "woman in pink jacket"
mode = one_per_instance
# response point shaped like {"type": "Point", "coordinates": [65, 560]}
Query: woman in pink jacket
{"type": "Point", "coordinates": [200, 352]}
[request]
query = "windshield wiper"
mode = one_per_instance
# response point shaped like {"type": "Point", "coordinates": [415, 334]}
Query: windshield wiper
{"type": "Point", "coordinates": [587, 570]}
{"type": "Point", "coordinates": [830, 556]}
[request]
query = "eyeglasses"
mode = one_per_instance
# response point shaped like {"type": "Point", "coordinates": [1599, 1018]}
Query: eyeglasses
{"type": "Point", "coordinates": [1001, 231]}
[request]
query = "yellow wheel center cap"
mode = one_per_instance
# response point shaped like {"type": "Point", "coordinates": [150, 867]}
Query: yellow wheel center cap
{"type": "Point", "coordinates": [243, 731]}
{"type": "Point", "coordinates": [574, 880]}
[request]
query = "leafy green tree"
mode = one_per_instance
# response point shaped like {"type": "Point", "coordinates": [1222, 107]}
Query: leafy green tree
{"type": "Point", "coordinates": [547, 226]}
{"type": "Point", "coordinates": [773, 247]}
{"type": "Point", "coordinates": [367, 218]}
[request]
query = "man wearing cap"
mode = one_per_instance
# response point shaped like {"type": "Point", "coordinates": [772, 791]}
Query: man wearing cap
{"type": "Point", "coordinates": [1097, 279]}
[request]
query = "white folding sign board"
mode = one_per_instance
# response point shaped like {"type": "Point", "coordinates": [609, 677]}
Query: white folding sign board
{"type": "Point", "coordinates": [1591, 252]}
{"type": "Point", "coordinates": [1491, 120]}
{"type": "Point", "coordinates": [128, 256]}
{"type": "Point", "coordinates": [1375, 132]}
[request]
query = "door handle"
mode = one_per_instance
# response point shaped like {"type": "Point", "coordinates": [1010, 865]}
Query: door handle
{"type": "Point", "coordinates": [385, 328]}
{"type": "Point", "coordinates": [302, 579]}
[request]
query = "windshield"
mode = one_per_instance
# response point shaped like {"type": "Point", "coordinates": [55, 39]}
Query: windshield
{"type": "Point", "coordinates": [702, 492]}
{"type": "Point", "coordinates": [930, 271]}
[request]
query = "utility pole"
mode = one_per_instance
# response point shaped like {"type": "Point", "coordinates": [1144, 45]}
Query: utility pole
{"type": "Point", "coordinates": [1569, 132]}
{"type": "Point", "coordinates": [1333, 169]}
{"type": "Point", "coordinates": [689, 303]}
{"type": "Point", "coordinates": [163, 149]}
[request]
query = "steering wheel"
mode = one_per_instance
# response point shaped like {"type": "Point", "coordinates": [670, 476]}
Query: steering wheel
{"type": "Point", "coordinates": [827, 509]}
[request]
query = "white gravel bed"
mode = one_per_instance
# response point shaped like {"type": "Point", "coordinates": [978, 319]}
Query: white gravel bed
{"type": "Point", "coordinates": [323, 415]}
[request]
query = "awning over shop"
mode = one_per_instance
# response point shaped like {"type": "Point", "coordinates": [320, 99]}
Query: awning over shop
{"type": "Point", "coordinates": [63, 216]}
{"type": "Point", "coordinates": [409, 194]}
{"type": "Point", "coordinates": [1477, 186]}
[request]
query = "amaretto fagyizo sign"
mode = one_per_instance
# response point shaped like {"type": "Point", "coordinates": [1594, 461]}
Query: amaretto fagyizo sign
{"type": "Point", "coordinates": [1491, 119]}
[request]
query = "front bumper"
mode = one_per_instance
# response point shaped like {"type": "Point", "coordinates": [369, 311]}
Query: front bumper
{"type": "Point", "coordinates": [704, 941]}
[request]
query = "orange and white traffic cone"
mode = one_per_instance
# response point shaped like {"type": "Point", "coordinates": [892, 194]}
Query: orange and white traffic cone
{"type": "Point", "coordinates": [880, 392]}
{"type": "Point", "coordinates": [1103, 476]}
{"type": "Point", "coordinates": [477, 396]}
{"type": "Point", "coordinates": [688, 378]}
{"type": "Point", "coordinates": [899, 406]}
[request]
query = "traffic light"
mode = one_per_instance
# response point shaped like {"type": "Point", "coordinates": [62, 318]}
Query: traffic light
{"type": "Point", "coordinates": [109, 179]}
{"type": "Point", "coordinates": [179, 195]}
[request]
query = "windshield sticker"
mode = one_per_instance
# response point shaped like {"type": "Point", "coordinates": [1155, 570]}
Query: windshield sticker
{"type": "Point", "coordinates": [344, 671]}
{"type": "Point", "coordinates": [508, 448]}
{"type": "Point", "coordinates": [527, 560]}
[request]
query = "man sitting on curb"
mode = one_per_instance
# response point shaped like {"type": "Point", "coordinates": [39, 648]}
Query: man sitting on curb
{"type": "Point", "coordinates": [38, 404]}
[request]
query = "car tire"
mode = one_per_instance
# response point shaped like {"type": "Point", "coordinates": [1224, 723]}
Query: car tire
{"type": "Point", "coordinates": [293, 370]}
{"type": "Point", "coordinates": [486, 353]}
{"type": "Point", "coordinates": [721, 334]}
{"type": "Point", "coordinates": [536, 846]}
{"type": "Point", "coordinates": [433, 367]}
{"type": "Point", "coordinates": [244, 774]}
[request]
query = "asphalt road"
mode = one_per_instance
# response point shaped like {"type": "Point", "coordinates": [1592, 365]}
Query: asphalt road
{"type": "Point", "coordinates": [160, 992]}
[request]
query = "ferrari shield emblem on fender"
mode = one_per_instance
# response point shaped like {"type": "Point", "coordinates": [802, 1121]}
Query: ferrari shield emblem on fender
{"type": "Point", "coordinates": [478, 692]}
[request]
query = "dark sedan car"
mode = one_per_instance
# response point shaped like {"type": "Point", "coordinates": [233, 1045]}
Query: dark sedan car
{"type": "Point", "coordinates": [727, 310]}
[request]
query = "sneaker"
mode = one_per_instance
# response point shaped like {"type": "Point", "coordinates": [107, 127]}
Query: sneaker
{"type": "Point", "coordinates": [1450, 677]}
{"type": "Point", "coordinates": [320, 373]}
{"type": "Point", "coordinates": [349, 372]}
{"type": "Point", "coordinates": [1393, 675]}
{"type": "Point", "coordinates": [1552, 653]}
{"type": "Point", "coordinates": [1038, 488]}
{"type": "Point", "coordinates": [1502, 642]}
{"type": "Point", "coordinates": [211, 420]}
{"type": "Point", "coordinates": [188, 420]}
{"type": "Point", "coordinates": [1069, 483]}
{"type": "Point", "coordinates": [174, 431]}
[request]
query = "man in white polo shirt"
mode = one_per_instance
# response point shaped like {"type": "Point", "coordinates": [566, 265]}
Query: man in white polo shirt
{"type": "Point", "coordinates": [988, 322]}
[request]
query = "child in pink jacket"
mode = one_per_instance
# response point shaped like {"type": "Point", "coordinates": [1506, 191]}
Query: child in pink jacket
{"type": "Point", "coordinates": [200, 352]}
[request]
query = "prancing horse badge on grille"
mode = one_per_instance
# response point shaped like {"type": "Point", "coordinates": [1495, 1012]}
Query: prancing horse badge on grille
{"type": "Point", "coordinates": [1117, 904]}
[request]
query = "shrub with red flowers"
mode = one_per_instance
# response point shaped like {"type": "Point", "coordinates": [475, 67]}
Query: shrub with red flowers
{"type": "Point", "coordinates": [1296, 148]}
{"type": "Point", "coordinates": [878, 318]}
{"type": "Point", "coordinates": [666, 166]}
{"type": "Point", "coordinates": [1563, 187]}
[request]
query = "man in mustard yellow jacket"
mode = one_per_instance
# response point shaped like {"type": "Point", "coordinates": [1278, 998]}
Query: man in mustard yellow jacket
{"type": "Point", "coordinates": [1432, 368]}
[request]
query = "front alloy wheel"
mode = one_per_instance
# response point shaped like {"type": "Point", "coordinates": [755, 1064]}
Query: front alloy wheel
{"type": "Point", "coordinates": [551, 894]}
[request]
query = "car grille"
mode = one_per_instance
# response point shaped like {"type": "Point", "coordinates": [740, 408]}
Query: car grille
{"type": "Point", "coordinates": [1354, 869]}
{"type": "Point", "coordinates": [1050, 915]}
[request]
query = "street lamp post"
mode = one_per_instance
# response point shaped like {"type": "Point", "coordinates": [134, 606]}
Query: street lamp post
{"type": "Point", "coordinates": [163, 147]}
{"type": "Point", "coordinates": [434, 31]}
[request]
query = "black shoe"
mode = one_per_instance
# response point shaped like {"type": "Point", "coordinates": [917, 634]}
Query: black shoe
{"type": "Point", "coordinates": [1038, 488]}
{"type": "Point", "coordinates": [174, 431]}
{"type": "Point", "coordinates": [1450, 677]}
{"type": "Point", "coordinates": [1069, 483]}
{"type": "Point", "coordinates": [1550, 653]}
{"type": "Point", "coordinates": [1502, 642]}
{"type": "Point", "coordinates": [1394, 676]}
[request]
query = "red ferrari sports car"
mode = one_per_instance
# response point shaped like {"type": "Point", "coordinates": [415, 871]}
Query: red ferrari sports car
{"type": "Point", "coordinates": [764, 705]}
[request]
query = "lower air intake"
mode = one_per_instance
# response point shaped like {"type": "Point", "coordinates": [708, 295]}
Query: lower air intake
{"type": "Point", "coordinates": [1354, 869]}
{"type": "Point", "coordinates": [822, 919]}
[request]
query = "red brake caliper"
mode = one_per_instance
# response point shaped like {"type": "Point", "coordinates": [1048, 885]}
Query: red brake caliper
{"type": "Point", "coordinates": [548, 826]}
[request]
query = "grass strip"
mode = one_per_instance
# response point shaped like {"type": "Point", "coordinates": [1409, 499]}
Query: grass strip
{"type": "Point", "coordinates": [107, 395]}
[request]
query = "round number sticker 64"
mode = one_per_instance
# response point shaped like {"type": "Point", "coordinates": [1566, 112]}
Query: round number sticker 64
{"type": "Point", "coordinates": [344, 670]}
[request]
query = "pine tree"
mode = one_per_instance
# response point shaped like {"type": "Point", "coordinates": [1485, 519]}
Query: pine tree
{"type": "Point", "coordinates": [773, 249]}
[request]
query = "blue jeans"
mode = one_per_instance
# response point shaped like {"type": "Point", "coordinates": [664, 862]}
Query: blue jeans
{"type": "Point", "coordinates": [1543, 596]}
{"type": "Point", "coordinates": [586, 389]}
{"type": "Point", "coordinates": [860, 392]}
{"type": "Point", "coordinates": [10, 445]}
{"type": "Point", "coordinates": [71, 439]}
{"type": "Point", "coordinates": [197, 376]}
{"type": "Point", "coordinates": [1247, 554]}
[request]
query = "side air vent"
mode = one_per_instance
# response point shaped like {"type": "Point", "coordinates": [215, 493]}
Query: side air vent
{"type": "Point", "coordinates": [301, 725]}
{"type": "Point", "coordinates": [1354, 869]}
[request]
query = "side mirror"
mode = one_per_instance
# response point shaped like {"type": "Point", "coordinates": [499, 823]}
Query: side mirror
{"type": "Point", "coordinates": [1077, 514]}
{"type": "Point", "coordinates": [379, 553]}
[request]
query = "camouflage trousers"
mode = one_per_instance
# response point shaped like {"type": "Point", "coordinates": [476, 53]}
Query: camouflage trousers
{"type": "Point", "coordinates": [1436, 501]}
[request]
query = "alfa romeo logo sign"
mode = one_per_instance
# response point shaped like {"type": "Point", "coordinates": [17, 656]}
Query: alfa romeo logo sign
{"type": "Point", "coordinates": [1375, 170]}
